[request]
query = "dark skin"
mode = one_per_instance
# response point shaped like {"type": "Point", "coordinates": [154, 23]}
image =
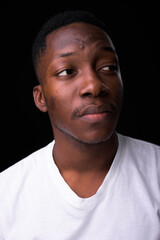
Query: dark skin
{"type": "Point", "coordinates": [81, 88]}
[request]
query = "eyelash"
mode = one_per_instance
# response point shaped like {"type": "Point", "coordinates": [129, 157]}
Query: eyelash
{"type": "Point", "coordinates": [69, 71]}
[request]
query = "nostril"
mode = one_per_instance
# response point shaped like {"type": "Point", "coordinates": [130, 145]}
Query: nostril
{"type": "Point", "coordinates": [103, 93]}
{"type": "Point", "coordinates": [87, 94]}
{"type": "Point", "coordinates": [92, 87]}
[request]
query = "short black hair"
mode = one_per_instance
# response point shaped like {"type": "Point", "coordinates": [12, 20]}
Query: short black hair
{"type": "Point", "coordinates": [59, 20]}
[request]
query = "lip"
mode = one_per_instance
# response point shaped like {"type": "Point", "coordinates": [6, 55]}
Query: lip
{"type": "Point", "coordinates": [98, 117]}
{"type": "Point", "coordinates": [95, 113]}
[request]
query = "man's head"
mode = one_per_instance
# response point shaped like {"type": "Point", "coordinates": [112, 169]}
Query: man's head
{"type": "Point", "coordinates": [80, 82]}
{"type": "Point", "coordinates": [58, 21]}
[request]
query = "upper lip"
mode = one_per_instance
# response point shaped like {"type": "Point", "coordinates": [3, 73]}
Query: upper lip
{"type": "Point", "coordinates": [95, 109]}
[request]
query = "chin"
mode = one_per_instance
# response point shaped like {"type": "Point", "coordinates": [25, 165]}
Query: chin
{"type": "Point", "coordinates": [99, 141]}
{"type": "Point", "coordinates": [93, 142]}
{"type": "Point", "coordinates": [92, 139]}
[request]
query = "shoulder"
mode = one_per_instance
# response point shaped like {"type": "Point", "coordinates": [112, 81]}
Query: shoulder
{"type": "Point", "coordinates": [20, 185]}
{"type": "Point", "coordinates": [140, 147]}
{"type": "Point", "coordinates": [142, 156]}
{"type": "Point", "coordinates": [26, 166]}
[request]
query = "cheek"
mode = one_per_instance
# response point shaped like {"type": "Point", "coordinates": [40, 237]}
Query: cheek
{"type": "Point", "coordinates": [116, 91]}
{"type": "Point", "coordinates": [59, 99]}
{"type": "Point", "coordinates": [58, 109]}
{"type": "Point", "coordinates": [119, 92]}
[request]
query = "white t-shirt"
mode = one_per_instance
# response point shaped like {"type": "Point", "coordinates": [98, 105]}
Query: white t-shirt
{"type": "Point", "coordinates": [37, 204]}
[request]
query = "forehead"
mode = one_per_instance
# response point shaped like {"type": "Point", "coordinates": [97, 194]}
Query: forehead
{"type": "Point", "coordinates": [73, 37]}
{"type": "Point", "coordinates": [77, 34]}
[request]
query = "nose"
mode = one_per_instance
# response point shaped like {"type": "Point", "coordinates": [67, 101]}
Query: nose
{"type": "Point", "coordinates": [91, 85]}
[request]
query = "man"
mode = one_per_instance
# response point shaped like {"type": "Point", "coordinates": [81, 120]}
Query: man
{"type": "Point", "coordinates": [90, 182]}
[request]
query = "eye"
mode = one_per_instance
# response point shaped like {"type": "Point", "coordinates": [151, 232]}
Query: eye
{"type": "Point", "coordinates": [112, 68]}
{"type": "Point", "coordinates": [65, 72]}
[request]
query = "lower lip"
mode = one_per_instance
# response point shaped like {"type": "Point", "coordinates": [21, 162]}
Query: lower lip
{"type": "Point", "coordinates": [97, 117]}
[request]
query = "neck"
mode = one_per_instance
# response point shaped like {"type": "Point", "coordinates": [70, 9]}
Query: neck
{"type": "Point", "coordinates": [71, 155]}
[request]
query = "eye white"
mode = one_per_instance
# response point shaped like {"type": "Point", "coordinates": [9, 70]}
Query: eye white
{"type": "Point", "coordinates": [63, 73]}
{"type": "Point", "coordinates": [106, 68]}
{"type": "Point", "coordinates": [110, 68]}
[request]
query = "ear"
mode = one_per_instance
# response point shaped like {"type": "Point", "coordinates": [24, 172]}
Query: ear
{"type": "Point", "coordinates": [39, 98]}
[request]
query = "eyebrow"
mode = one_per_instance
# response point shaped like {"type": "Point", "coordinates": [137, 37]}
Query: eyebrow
{"type": "Point", "coordinates": [66, 54]}
{"type": "Point", "coordinates": [108, 49]}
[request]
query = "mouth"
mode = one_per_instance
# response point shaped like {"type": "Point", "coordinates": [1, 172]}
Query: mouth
{"type": "Point", "coordinates": [95, 113]}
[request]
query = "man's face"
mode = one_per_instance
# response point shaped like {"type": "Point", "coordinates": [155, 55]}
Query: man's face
{"type": "Point", "coordinates": [81, 83]}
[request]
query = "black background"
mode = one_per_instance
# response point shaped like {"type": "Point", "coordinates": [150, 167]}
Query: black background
{"type": "Point", "coordinates": [135, 28]}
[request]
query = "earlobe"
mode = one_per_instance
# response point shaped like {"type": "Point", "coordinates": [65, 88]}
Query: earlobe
{"type": "Point", "coordinates": [39, 98]}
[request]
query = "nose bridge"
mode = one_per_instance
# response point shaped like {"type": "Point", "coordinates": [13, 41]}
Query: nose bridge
{"type": "Point", "coordinates": [91, 83]}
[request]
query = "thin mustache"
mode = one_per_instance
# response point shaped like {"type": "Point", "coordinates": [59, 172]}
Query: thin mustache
{"type": "Point", "coordinates": [93, 109]}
